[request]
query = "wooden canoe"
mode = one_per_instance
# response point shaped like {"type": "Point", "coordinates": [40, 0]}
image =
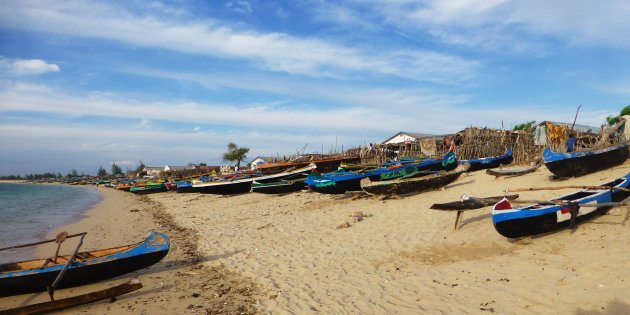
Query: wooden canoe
{"type": "Point", "coordinates": [411, 185]}
{"type": "Point", "coordinates": [515, 169]}
{"type": "Point", "coordinates": [92, 266]}
{"type": "Point", "coordinates": [543, 217]}
{"type": "Point", "coordinates": [469, 203]}
{"type": "Point", "coordinates": [584, 162]}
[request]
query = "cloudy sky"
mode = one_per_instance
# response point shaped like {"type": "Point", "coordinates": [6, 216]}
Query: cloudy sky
{"type": "Point", "coordinates": [87, 83]}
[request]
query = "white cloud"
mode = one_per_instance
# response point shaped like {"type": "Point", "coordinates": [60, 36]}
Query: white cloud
{"type": "Point", "coordinates": [240, 6]}
{"type": "Point", "coordinates": [119, 163]}
{"type": "Point", "coordinates": [501, 25]}
{"type": "Point", "coordinates": [27, 66]}
{"type": "Point", "coordinates": [144, 122]}
{"type": "Point", "coordinates": [271, 51]}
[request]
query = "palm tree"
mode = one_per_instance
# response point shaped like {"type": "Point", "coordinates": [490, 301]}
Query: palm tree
{"type": "Point", "coordinates": [235, 153]}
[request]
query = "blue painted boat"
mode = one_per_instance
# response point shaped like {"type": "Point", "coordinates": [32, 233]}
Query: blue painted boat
{"type": "Point", "coordinates": [579, 163]}
{"type": "Point", "coordinates": [546, 217]}
{"type": "Point", "coordinates": [36, 275]}
{"type": "Point", "coordinates": [340, 182]}
{"type": "Point", "coordinates": [184, 186]}
{"type": "Point", "coordinates": [489, 162]}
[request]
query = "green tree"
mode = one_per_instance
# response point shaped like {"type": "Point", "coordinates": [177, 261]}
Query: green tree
{"type": "Point", "coordinates": [525, 126]}
{"type": "Point", "coordinates": [235, 153]}
{"type": "Point", "coordinates": [101, 172]}
{"type": "Point", "coordinates": [615, 119]}
{"type": "Point", "coordinates": [116, 169]}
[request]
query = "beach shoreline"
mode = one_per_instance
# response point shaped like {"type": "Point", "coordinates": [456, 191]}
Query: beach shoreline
{"type": "Point", "coordinates": [173, 285]}
{"type": "Point", "coordinates": [307, 252]}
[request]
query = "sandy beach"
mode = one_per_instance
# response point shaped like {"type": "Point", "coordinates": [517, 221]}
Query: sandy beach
{"type": "Point", "coordinates": [305, 253]}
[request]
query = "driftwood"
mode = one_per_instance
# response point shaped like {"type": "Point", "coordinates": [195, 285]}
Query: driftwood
{"type": "Point", "coordinates": [51, 306]}
{"type": "Point", "coordinates": [470, 203]}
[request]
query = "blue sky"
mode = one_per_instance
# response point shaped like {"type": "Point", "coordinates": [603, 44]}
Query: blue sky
{"type": "Point", "coordinates": [85, 83]}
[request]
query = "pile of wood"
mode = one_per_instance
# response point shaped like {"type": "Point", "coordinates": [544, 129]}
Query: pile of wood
{"type": "Point", "coordinates": [471, 143]}
{"type": "Point", "coordinates": [476, 142]}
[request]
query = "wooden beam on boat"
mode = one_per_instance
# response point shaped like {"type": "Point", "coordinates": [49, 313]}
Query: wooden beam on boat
{"type": "Point", "coordinates": [39, 243]}
{"type": "Point", "coordinates": [564, 202]}
{"type": "Point", "coordinates": [565, 187]}
{"type": "Point", "coordinates": [51, 306]}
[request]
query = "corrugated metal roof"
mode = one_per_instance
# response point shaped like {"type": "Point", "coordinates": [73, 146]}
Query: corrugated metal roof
{"type": "Point", "coordinates": [416, 135]}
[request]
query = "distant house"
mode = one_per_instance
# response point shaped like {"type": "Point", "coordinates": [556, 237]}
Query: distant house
{"type": "Point", "coordinates": [152, 170]}
{"type": "Point", "coordinates": [404, 136]}
{"type": "Point", "coordinates": [168, 168]}
{"type": "Point", "coordinates": [261, 160]}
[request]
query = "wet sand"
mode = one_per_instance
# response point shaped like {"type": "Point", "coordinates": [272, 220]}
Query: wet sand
{"type": "Point", "coordinates": [306, 253]}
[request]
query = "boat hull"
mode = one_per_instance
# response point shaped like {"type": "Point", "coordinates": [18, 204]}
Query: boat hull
{"type": "Point", "coordinates": [489, 162]}
{"type": "Point", "coordinates": [580, 163]}
{"type": "Point", "coordinates": [279, 188]}
{"type": "Point", "coordinates": [411, 185]}
{"type": "Point", "coordinates": [143, 255]}
{"type": "Point", "coordinates": [535, 220]}
{"type": "Point", "coordinates": [514, 170]}
{"type": "Point", "coordinates": [339, 184]}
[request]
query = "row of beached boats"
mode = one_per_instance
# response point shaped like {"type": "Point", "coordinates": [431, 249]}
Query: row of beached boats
{"type": "Point", "coordinates": [414, 176]}
{"type": "Point", "coordinates": [424, 174]}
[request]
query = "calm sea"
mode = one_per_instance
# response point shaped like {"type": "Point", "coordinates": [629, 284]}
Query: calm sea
{"type": "Point", "coordinates": [30, 211]}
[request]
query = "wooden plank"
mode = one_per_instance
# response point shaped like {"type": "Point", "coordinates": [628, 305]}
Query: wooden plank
{"type": "Point", "coordinates": [51, 306]}
{"type": "Point", "coordinates": [564, 187]}
{"type": "Point", "coordinates": [42, 242]}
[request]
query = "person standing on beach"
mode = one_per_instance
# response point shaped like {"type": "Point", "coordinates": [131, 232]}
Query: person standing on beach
{"type": "Point", "coordinates": [449, 157]}
{"type": "Point", "coordinates": [450, 142]}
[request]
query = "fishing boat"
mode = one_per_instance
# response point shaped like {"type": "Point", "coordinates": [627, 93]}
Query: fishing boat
{"type": "Point", "coordinates": [549, 216]}
{"type": "Point", "coordinates": [124, 186]}
{"type": "Point", "coordinates": [583, 162]}
{"type": "Point", "coordinates": [327, 164]}
{"type": "Point", "coordinates": [489, 162]}
{"type": "Point", "coordinates": [242, 185]}
{"type": "Point", "coordinates": [515, 169]}
{"type": "Point", "coordinates": [185, 186]}
{"type": "Point", "coordinates": [340, 182]}
{"type": "Point", "coordinates": [282, 186]}
{"type": "Point", "coordinates": [85, 267]}
{"type": "Point", "coordinates": [410, 185]}
{"type": "Point", "coordinates": [470, 203]}
{"type": "Point", "coordinates": [148, 189]}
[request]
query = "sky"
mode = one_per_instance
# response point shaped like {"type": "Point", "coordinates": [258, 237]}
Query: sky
{"type": "Point", "coordinates": [85, 84]}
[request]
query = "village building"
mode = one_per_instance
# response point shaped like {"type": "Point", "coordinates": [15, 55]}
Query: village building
{"type": "Point", "coordinates": [260, 160]}
{"type": "Point", "coordinates": [405, 136]}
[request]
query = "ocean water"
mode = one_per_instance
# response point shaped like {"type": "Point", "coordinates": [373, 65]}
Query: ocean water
{"type": "Point", "coordinates": [30, 211]}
